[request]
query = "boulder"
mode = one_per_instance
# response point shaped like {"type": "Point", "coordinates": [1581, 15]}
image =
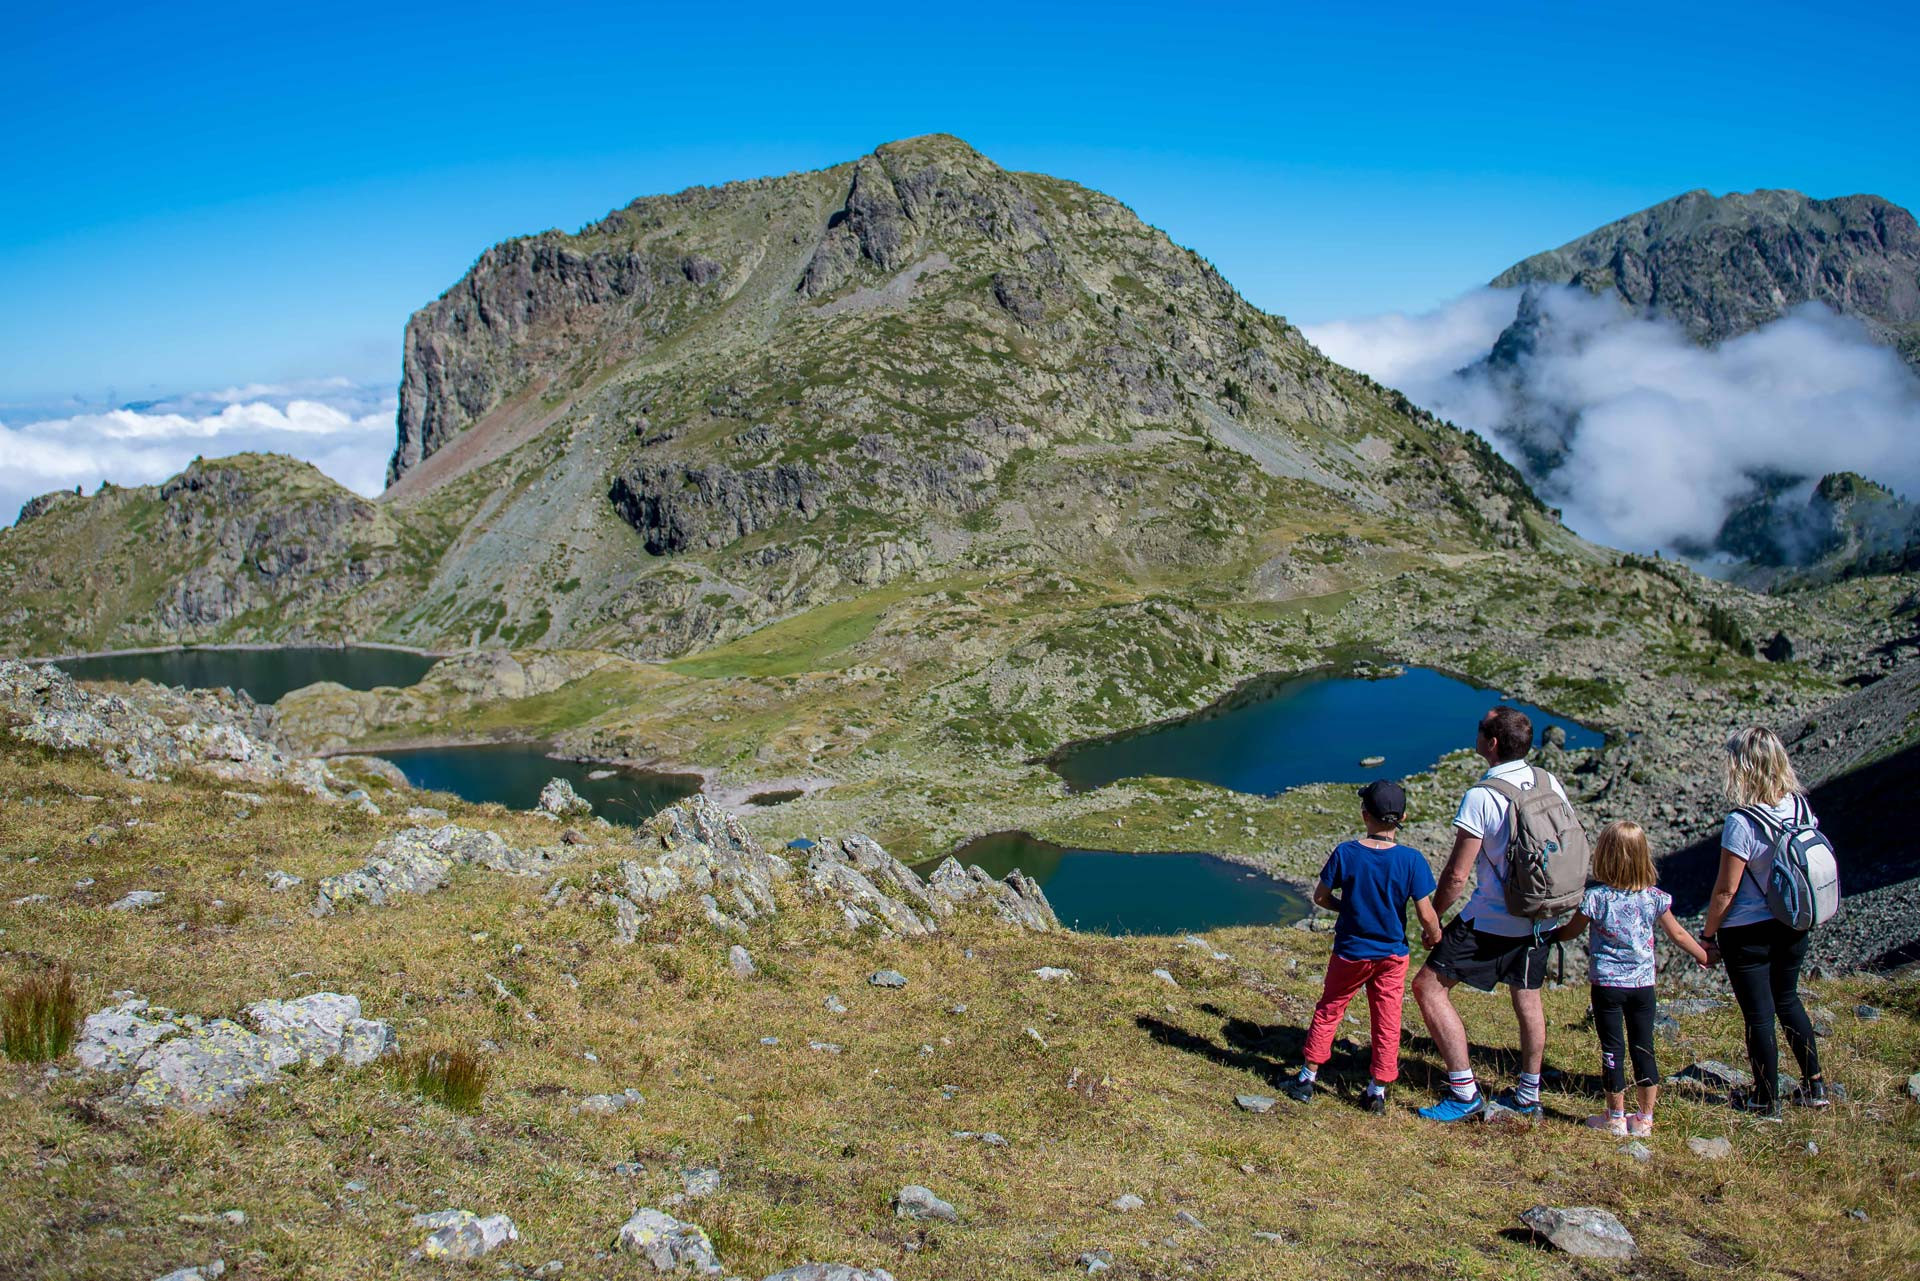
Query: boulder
{"type": "Point", "coordinates": [198, 1272]}
{"type": "Point", "coordinates": [667, 1243]}
{"type": "Point", "coordinates": [134, 900]}
{"type": "Point", "coordinates": [740, 961]}
{"type": "Point", "coordinates": [207, 1065]}
{"type": "Point", "coordinates": [460, 1235]}
{"type": "Point", "coordinates": [1053, 974]}
{"type": "Point", "coordinates": [1715, 1149]}
{"type": "Point", "coordinates": [1711, 1074]}
{"type": "Point", "coordinates": [560, 800]}
{"type": "Point", "coordinates": [1254, 1102]}
{"type": "Point", "coordinates": [831, 1272]}
{"type": "Point", "coordinates": [887, 978]}
{"type": "Point", "coordinates": [608, 1104]}
{"type": "Point", "coordinates": [916, 1202]}
{"type": "Point", "coordinates": [1127, 1202]}
{"type": "Point", "coordinates": [1586, 1232]}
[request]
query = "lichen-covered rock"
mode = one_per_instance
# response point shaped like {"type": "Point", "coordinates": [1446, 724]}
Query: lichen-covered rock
{"type": "Point", "coordinates": [1586, 1232]}
{"type": "Point", "coordinates": [1018, 899]}
{"type": "Point", "coordinates": [197, 1272]}
{"type": "Point", "coordinates": [113, 1039]}
{"type": "Point", "coordinates": [461, 1235]}
{"type": "Point", "coordinates": [667, 1243]}
{"type": "Point", "coordinates": [180, 1060]}
{"type": "Point", "coordinates": [560, 800]}
{"type": "Point", "coordinates": [420, 859]}
{"type": "Point", "coordinates": [696, 846]}
{"type": "Point", "coordinates": [917, 1202]}
{"type": "Point", "coordinates": [154, 732]}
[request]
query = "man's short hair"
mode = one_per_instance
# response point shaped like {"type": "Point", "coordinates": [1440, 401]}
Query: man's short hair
{"type": "Point", "coordinates": [1511, 731]}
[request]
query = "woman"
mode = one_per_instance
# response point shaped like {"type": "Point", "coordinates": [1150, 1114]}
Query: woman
{"type": "Point", "coordinates": [1762, 955]}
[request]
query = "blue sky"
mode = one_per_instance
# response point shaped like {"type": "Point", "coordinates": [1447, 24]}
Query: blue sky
{"type": "Point", "coordinates": [205, 195]}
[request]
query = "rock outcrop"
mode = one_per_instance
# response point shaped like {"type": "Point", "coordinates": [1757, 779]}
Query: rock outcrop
{"type": "Point", "coordinates": [154, 731]}
{"type": "Point", "coordinates": [206, 1065]}
{"type": "Point", "coordinates": [695, 847]}
{"type": "Point", "coordinates": [420, 859]}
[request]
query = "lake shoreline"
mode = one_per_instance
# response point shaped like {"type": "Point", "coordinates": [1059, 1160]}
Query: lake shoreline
{"type": "Point", "coordinates": [1251, 692]}
{"type": "Point", "coordinates": [244, 646]}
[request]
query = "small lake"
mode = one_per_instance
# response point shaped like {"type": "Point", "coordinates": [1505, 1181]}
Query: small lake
{"type": "Point", "coordinates": [1108, 892]}
{"type": "Point", "coordinates": [514, 773]}
{"type": "Point", "coordinates": [266, 674]}
{"type": "Point", "coordinates": [1281, 733]}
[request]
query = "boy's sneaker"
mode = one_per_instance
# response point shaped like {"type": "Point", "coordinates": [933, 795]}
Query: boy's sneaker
{"type": "Point", "coordinates": [1640, 1124]}
{"type": "Point", "coordinates": [1510, 1100]}
{"type": "Point", "coordinates": [1811, 1095]}
{"type": "Point", "coordinates": [1450, 1109]}
{"type": "Point", "coordinates": [1611, 1122]}
{"type": "Point", "coordinates": [1299, 1089]}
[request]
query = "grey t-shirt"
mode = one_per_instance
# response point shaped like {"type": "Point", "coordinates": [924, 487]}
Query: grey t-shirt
{"type": "Point", "coordinates": [1620, 940]}
{"type": "Point", "coordinates": [1749, 841]}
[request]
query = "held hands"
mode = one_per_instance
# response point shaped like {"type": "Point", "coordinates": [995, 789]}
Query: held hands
{"type": "Point", "coordinates": [1430, 935]}
{"type": "Point", "coordinates": [1713, 953]}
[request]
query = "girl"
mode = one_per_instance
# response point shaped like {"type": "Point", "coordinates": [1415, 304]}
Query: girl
{"type": "Point", "coordinates": [1763, 955]}
{"type": "Point", "coordinates": [1622, 910]}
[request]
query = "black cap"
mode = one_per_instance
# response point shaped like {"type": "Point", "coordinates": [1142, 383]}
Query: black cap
{"type": "Point", "coordinates": [1384, 798]}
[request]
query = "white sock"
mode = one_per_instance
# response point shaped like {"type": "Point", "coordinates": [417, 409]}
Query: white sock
{"type": "Point", "coordinates": [1374, 1087]}
{"type": "Point", "coordinates": [1311, 1072]}
{"type": "Point", "coordinates": [1461, 1083]}
{"type": "Point", "coordinates": [1529, 1088]}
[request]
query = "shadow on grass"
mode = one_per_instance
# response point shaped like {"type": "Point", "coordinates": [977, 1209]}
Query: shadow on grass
{"type": "Point", "coordinates": [1273, 1052]}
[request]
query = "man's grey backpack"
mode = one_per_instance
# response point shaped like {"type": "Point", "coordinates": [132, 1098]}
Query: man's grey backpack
{"type": "Point", "coordinates": [1547, 852]}
{"type": "Point", "coordinates": [1802, 880]}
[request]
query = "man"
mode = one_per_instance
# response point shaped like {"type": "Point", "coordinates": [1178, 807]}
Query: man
{"type": "Point", "coordinates": [1486, 945]}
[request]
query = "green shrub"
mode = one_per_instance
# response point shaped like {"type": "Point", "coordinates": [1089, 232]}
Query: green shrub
{"type": "Point", "coordinates": [41, 1018]}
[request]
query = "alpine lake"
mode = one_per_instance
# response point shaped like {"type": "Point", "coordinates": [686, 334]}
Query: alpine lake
{"type": "Point", "coordinates": [1268, 736]}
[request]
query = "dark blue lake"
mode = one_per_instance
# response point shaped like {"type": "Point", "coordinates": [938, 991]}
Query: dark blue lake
{"type": "Point", "coordinates": [514, 773]}
{"type": "Point", "coordinates": [1108, 892]}
{"type": "Point", "coordinates": [266, 674]}
{"type": "Point", "coordinates": [1272, 735]}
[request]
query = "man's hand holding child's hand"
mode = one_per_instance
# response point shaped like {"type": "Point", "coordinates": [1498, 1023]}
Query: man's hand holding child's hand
{"type": "Point", "coordinates": [1430, 935]}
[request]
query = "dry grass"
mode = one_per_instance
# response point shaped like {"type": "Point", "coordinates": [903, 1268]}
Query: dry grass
{"type": "Point", "coordinates": [1132, 1091]}
{"type": "Point", "coordinates": [452, 1076]}
{"type": "Point", "coordinates": [41, 1017]}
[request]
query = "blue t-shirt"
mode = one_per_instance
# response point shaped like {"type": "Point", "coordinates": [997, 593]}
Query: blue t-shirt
{"type": "Point", "coordinates": [1375, 887]}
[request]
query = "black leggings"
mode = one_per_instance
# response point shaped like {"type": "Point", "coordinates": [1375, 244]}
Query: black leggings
{"type": "Point", "coordinates": [1763, 964]}
{"type": "Point", "coordinates": [1624, 1016]}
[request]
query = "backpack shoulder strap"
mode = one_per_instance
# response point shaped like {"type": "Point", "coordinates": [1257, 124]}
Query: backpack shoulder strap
{"type": "Point", "coordinates": [1501, 787]}
{"type": "Point", "coordinates": [1769, 825]}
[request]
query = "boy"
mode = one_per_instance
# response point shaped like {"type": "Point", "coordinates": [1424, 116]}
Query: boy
{"type": "Point", "coordinates": [1374, 876]}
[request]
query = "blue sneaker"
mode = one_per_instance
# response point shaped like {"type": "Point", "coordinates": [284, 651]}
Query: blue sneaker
{"type": "Point", "coordinates": [1511, 1102]}
{"type": "Point", "coordinates": [1450, 1109]}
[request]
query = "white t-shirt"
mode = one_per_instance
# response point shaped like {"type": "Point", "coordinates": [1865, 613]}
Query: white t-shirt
{"type": "Point", "coordinates": [1483, 813]}
{"type": "Point", "coordinates": [1748, 841]}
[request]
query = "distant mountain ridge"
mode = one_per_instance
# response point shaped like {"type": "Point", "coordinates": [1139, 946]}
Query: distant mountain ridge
{"type": "Point", "coordinates": [1723, 266]}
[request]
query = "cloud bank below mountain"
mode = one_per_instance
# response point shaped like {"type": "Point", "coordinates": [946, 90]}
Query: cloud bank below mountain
{"type": "Point", "coordinates": [343, 428]}
{"type": "Point", "coordinates": [1650, 441]}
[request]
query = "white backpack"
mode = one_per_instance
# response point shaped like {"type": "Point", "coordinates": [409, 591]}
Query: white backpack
{"type": "Point", "coordinates": [1802, 881]}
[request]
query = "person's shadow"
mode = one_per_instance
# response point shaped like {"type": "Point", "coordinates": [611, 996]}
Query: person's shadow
{"type": "Point", "coordinates": [1272, 1052]}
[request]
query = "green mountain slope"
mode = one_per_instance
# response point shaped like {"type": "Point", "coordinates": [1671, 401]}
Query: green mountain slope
{"type": "Point", "coordinates": [711, 410]}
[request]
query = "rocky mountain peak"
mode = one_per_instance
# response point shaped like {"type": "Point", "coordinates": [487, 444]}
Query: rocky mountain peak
{"type": "Point", "coordinates": [1725, 265]}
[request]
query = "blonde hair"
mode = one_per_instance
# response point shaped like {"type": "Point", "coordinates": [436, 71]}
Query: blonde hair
{"type": "Point", "coordinates": [1757, 769]}
{"type": "Point", "coordinates": [1621, 857]}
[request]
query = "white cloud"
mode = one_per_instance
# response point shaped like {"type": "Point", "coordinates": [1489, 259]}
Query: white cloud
{"type": "Point", "coordinates": [1661, 437]}
{"type": "Point", "coordinates": [343, 428]}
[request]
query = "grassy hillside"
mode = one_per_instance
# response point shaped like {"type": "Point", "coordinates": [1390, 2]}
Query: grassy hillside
{"type": "Point", "coordinates": [1125, 1085]}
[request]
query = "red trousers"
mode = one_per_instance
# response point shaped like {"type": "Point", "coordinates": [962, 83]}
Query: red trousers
{"type": "Point", "coordinates": [1386, 982]}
